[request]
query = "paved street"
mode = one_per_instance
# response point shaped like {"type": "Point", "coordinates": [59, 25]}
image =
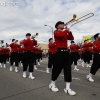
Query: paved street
{"type": "Point", "coordinates": [14, 87]}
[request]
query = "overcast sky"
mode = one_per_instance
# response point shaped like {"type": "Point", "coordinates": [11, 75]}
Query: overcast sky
{"type": "Point", "coordinates": [18, 17]}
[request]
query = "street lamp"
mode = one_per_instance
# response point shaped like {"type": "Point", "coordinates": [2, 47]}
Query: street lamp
{"type": "Point", "coordinates": [51, 29]}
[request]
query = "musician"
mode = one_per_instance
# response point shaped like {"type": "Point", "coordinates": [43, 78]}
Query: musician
{"type": "Point", "coordinates": [3, 56]}
{"type": "Point", "coordinates": [62, 58]}
{"type": "Point", "coordinates": [14, 55]}
{"type": "Point", "coordinates": [96, 60]}
{"type": "Point", "coordinates": [0, 58]}
{"type": "Point", "coordinates": [87, 54]}
{"type": "Point", "coordinates": [20, 54]}
{"type": "Point", "coordinates": [8, 52]}
{"type": "Point", "coordinates": [52, 52]}
{"type": "Point", "coordinates": [74, 54]}
{"type": "Point", "coordinates": [28, 56]}
{"type": "Point", "coordinates": [34, 51]}
{"type": "Point", "coordinates": [41, 54]}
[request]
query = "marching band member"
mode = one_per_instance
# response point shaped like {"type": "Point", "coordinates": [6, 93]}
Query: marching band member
{"type": "Point", "coordinates": [20, 53]}
{"type": "Point", "coordinates": [38, 55]}
{"type": "Point", "coordinates": [52, 52]}
{"type": "Point", "coordinates": [87, 45]}
{"type": "Point", "coordinates": [14, 55]}
{"type": "Point", "coordinates": [28, 56]}
{"type": "Point", "coordinates": [40, 49]}
{"type": "Point", "coordinates": [8, 52]}
{"type": "Point", "coordinates": [96, 60]}
{"type": "Point", "coordinates": [3, 56]}
{"type": "Point", "coordinates": [34, 51]}
{"type": "Point", "coordinates": [74, 54]}
{"type": "Point", "coordinates": [62, 58]}
{"type": "Point", "coordinates": [0, 58]}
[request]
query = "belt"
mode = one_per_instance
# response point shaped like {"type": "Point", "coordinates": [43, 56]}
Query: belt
{"type": "Point", "coordinates": [28, 51]}
{"type": "Point", "coordinates": [63, 49]}
{"type": "Point", "coordinates": [14, 51]}
{"type": "Point", "coordinates": [51, 53]}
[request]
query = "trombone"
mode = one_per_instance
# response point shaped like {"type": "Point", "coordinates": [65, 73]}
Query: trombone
{"type": "Point", "coordinates": [76, 20]}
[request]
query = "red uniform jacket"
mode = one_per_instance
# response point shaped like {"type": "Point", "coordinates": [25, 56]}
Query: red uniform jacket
{"type": "Point", "coordinates": [61, 38]}
{"type": "Point", "coordinates": [13, 47]}
{"type": "Point", "coordinates": [28, 44]}
{"type": "Point", "coordinates": [74, 48]}
{"type": "Point", "coordinates": [52, 47]}
{"type": "Point", "coordinates": [96, 47]}
{"type": "Point", "coordinates": [87, 46]}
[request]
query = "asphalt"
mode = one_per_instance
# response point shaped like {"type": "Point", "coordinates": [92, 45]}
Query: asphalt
{"type": "Point", "coordinates": [14, 87]}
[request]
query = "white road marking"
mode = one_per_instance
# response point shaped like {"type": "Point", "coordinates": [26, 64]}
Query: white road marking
{"type": "Point", "coordinates": [73, 78]}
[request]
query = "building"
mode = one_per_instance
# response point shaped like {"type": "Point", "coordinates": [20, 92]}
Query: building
{"type": "Point", "coordinates": [44, 46]}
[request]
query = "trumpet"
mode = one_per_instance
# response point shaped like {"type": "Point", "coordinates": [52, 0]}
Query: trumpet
{"type": "Point", "coordinates": [76, 20]}
{"type": "Point", "coordinates": [16, 41]}
{"type": "Point", "coordinates": [34, 35]}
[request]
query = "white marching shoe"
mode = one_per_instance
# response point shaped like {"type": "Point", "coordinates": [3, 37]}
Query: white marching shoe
{"type": "Point", "coordinates": [53, 88]}
{"type": "Point", "coordinates": [47, 70]}
{"type": "Point", "coordinates": [82, 64]}
{"type": "Point", "coordinates": [76, 68]}
{"type": "Point", "coordinates": [11, 68]}
{"type": "Point", "coordinates": [90, 78]}
{"type": "Point", "coordinates": [38, 63]}
{"type": "Point", "coordinates": [40, 60]}
{"type": "Point", "coordinates": [35, 67]}
{"type": "Point", "coordinates": [24, 74]}
{"type": "Point", "coordinates": [16, 69]}
{"type": "Point", "coordinates": [88, 66]}
{"type": "Point", "coordinates": [21, 65]}
{"type": "Point", "coordinates": [80, 59]}
{"type": "Point", "coordinates": [4, 66]}
{"type": "Point", "coordinates": [31, 76]}
{"type": "Point", "coordinates": [78, 63]}
{"type": "Point", "coordinates": [70, 92]}
{"type": "Point", "coordinates": [7, 61]}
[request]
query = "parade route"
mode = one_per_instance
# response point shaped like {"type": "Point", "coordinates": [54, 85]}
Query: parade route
{"type": "Point", "coordinates": [14, 87]}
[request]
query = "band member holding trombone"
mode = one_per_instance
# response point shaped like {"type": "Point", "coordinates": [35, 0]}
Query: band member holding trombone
{"type": "Point", "coordinates": [62, 58]}
{"type": "Point", "coordinates": [52, 52]}
{"type": "Point", "coordinates": [96, 60]}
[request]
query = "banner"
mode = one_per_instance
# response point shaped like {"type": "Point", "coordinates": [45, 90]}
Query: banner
{"type": "Point", "coordinates": [88, 38]}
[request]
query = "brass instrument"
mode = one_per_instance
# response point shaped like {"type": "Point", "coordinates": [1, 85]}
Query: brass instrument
{"type": "Point", "coordinates": [34, 35]}
{"type": "Point", "coordinates": [76, 20]}
{"type": "Point", "coordinates": [16, 41]}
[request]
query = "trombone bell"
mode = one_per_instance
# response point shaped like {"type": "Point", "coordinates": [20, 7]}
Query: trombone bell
{"type": "Point", "coordinates": [75, 17]}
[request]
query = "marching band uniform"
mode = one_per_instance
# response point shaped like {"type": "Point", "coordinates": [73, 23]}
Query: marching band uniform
{"type": "Point", "coordinates": [41, 51]}
{"type": "Point", "coordinates": [38, 56]}
{"type": "Point", "coordinates": [34, 53]}
{"type": "Point", "coordinates": [52, 52]}
{"type": "Point", "coordinates": [28, 56]}
{"type": "Point", "coordinates": [14, 55]}
{"type": "Point", "coordinates": [62, 58]}
{"type": "Point", "coordinates": [0, 58]}
{"type": "Point", "coordinates": [87, 54]}
{"type": "Point", "coordinates": [74, 54]}
{"type": "Point", "coordinates": [3, 56]}
{"type": "Point", "coordinates": [96, 60]}
{"type": "Point", "coordinates": [20, 53]}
